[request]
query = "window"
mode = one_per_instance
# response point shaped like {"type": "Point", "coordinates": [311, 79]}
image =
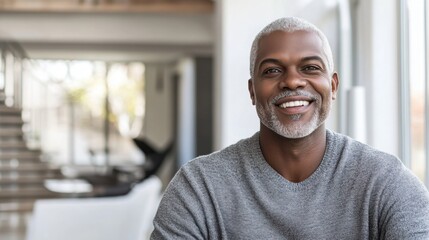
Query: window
{"type": "Point", "coordinates": [415, 88]}
{"type": "Point", "coordinates": [84, 112]}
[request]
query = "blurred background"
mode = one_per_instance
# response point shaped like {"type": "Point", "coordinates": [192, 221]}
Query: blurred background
{"type": "Point", "coordinates": [99, 96]}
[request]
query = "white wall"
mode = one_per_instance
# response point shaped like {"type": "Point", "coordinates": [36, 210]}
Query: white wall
{"type": "Point", "coordinates": [377, 41]}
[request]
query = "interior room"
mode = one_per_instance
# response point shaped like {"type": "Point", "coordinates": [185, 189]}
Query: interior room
{"type": "Point", "coordinates": [102, 101]}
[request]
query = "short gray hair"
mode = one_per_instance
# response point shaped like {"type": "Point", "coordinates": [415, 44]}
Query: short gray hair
{"type": "Point", "coordinates": [291, 24]}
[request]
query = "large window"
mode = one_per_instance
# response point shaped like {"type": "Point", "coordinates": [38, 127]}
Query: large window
{"type": "Point", "coordinates": [415, 88]}
{"type": "Point", "coordinates": [84, 112]}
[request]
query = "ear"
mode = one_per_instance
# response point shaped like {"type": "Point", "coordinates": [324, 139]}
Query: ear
{"type": "Point", "coordinates": [251, 91]}
{"type": "Point", "coordinates": [334, 85]}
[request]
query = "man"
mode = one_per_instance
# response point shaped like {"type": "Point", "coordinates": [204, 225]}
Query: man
{"type": "Point", "coordinates": [294, 179]}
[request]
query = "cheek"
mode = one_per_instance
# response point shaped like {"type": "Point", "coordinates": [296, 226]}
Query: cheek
{"type": "Point", "coordinates": [263, 92]}
{"type": "Point", "coordinates": [324, 89]}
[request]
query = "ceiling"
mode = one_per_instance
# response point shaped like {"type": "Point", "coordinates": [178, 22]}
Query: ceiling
{"type": "Point", "coordinates": [157, 30]}
{"type": "Point", "coordinates": [103, 6]}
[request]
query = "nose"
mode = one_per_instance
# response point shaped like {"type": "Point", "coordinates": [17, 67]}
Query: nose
{"type": "Point", "coordinates": [292, 80]}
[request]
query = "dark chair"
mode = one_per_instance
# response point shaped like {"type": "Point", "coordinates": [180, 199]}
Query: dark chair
{"type": "Point", "coordinates": [154, 158]}
{"type": "Point", "coordinates": [113, 184]}
{"type": "Point", "coordinates": [153, 162]}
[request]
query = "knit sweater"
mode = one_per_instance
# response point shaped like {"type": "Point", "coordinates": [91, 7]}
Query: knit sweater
{"type": "Point", "coordinates": [356, 192]}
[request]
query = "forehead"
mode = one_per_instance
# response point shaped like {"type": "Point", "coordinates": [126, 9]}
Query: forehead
{"type": "Point", "coordinates": [290, 44]}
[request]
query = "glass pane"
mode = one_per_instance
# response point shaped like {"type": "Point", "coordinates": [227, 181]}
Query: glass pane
{"type": "Point", "coordinates": [95, 108]}
{"type": "Point", "coordinates": [417, 85]}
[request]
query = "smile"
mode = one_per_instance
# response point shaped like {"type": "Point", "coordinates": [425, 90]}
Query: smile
{"type": "Point", "coordinates": [294, 104]}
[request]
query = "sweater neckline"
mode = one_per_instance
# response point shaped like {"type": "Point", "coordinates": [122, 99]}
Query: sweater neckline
{"type": "Point", "coordinates": [311, 181]}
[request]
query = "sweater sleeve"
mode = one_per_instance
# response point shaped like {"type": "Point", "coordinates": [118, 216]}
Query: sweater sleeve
{"type": "Point", "coordinates": [405, 208]}
{"type": "Point", "coordinates": [180, 214]}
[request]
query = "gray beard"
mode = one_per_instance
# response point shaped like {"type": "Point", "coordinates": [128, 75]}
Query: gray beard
{"type": "Point", "coordinates": [268, 117]}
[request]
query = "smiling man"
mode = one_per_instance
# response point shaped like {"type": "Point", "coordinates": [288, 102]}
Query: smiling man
{"type": "Point", "coordinates": [294, 179]}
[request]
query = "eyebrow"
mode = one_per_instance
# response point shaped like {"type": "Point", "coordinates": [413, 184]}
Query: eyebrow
{"type": "Point", "coordinates": [304, 59]}
{"type": "Point", "coordinates": [316, 58]}
{"type": "Point", "coordinates": [269, 60]}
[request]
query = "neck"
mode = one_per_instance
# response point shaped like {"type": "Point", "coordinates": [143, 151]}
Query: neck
{"type": "Point", "coordinates": [294, 159]}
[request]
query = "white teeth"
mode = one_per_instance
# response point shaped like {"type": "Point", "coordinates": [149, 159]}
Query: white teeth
{"type": "Point", "coordinates": [294, 104]}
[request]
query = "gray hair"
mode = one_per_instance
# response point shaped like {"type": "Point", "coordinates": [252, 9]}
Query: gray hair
{"type": "Point", "coordinates": [291, 24]}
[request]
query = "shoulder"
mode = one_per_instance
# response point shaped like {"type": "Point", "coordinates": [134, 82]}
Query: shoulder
{"type": "Point", "coordinates": [395, 194]}
{"type": "Point", "coordinates": [363, 156]}
{"type": "Point", "coordinates": [375, 169]}
{"type": "Point", "coordinates": [187, 206]}
{"type": "Point", "coordinates": [368, 168]}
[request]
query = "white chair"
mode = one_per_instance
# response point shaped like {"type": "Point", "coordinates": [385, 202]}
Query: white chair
{"type": "Point", "coordinates": [126, 217]}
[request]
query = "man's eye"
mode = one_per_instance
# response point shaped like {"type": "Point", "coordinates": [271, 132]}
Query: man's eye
{"type": "Point", "coordinates": [271, 71]}
{"type": "Point", "coordinates": [311, 68]}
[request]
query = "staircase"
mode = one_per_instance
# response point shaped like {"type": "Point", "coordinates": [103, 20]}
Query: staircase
{"type": "Point", "coordinates": [22, 171]}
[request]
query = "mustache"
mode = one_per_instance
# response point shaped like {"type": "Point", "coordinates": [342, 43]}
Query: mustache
{"type": "Point", "coordinates": [293, 93]}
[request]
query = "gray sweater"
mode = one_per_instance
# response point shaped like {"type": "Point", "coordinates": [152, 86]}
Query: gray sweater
{"type": "Point", "coordinates": [356, 192]}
